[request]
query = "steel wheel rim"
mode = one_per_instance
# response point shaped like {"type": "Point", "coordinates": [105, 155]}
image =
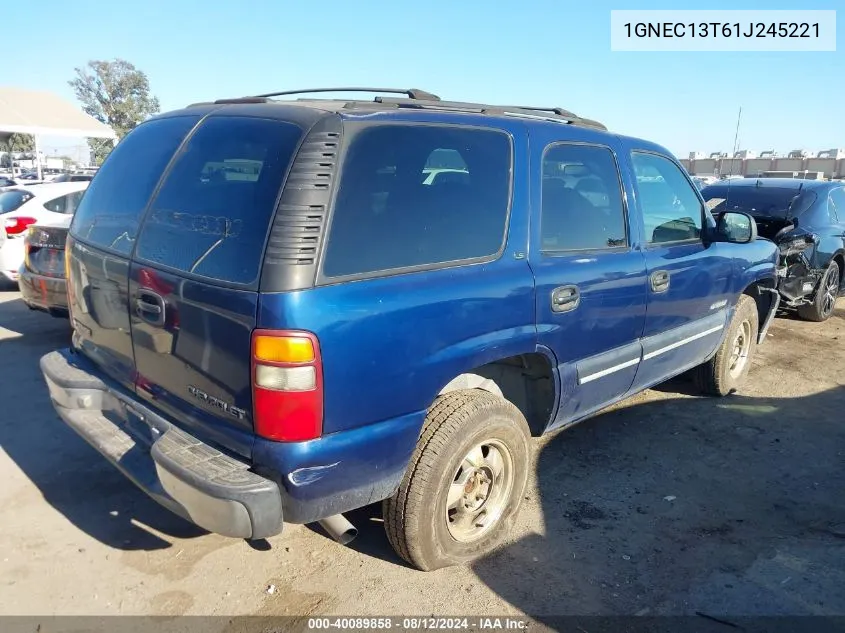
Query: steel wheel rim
{"type": "Point", "coordinates": [831, 288]}
{"type": "Point", "coordinates": [479, 491]}
{"type": "Point", "coordinates": [740, 349]}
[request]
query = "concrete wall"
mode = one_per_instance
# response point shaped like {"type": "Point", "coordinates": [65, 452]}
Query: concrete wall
{"type": "Point", "coordinates": [755, 166]}
{"type": "Point", "coordinates": [704, 166]}
{"type": "Point", "coordinates": [826, 165]}
{"type": "Point", "coordinates": [788, 164]}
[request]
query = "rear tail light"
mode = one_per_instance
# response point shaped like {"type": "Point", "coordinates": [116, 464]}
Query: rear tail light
{"type": "Point", "coordinates": [287, 385]}
{"type": "Point", "coordinates": [68, 280]}
{"type": "Point", "coordinates": [16, 226]}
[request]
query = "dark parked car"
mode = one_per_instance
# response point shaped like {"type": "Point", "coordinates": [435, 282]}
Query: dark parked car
{"type": "Point", "coordinates": [72, 178]}
{"type": "Point", "coordinates": [806, 219]}
{"type": "Point", "coordinates": [42, 277]}
{"type": "Point", "coordinates": [279, 317]}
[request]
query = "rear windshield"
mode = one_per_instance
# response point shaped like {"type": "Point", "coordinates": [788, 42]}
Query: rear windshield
{"type": "Point", "coordinates": [11, 200]}
{"type": "Point", "coordinates": [212, 214]}
{"type": "Point", "coordinates": [762, 202]}
{"type": "Point", "coordinates": [111, 209]}
{"type": "Point", "coordinates": [418, 195]}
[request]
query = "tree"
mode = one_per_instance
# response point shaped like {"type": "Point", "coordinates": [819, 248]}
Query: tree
{"type": "Point", "coordinates": [115, 93]}
{"type": "Point", "coordinates": [13, 144]}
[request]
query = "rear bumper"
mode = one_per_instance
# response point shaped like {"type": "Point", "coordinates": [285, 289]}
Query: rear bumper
{"type": "Point", "coordinates": [44, 293]}
{"type": "Point", "coordinates": [192, 479]}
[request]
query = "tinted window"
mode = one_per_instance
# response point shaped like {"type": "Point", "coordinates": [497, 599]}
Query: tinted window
{"type": "Point", "coordinates": [671, 209]}
{"type": "Point", "coordinates": [212, 214]}
{"type": "Point", "coordinates": [581, 199]}
{"type": "Point", "coordinates": [836, 205]}
{"type": "Point", "coordinates": [111, 208]}
{"type": "Point", "coordinates": [11, 200]}
{"type": "Point", "coordinates": [761, 202]}
{"type": "Point", "coordinates": [5, 182]}
{"type": "Point", "coordinates": [64, 204]}
{"type": "Point", "coordinates": [390, 214]}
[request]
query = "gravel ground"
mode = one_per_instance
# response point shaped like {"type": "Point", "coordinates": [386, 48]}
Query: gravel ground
{"type": "Point", "coordinates": [665, 504]}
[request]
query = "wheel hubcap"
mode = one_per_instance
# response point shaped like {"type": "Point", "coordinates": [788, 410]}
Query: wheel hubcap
{"type": "Point", "coordinates": [741, 347]}
{"type": "Point", "coordinates": [479, 491]}
{"type": "Point", "coordinates": [831, 288]}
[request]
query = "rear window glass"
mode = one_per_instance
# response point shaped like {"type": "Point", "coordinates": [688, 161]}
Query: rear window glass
{"type": "Point", "coordinates": [416, 195]}
{"type": "Point", "coordinates": [11, 200]}
{"type": "Point", "coordinates": [212, 214]}
{"type": "Point", "coordinates": [761, 202]}
{"type": "Point", "coordinates": [64, 204]}
{"type": "Point", "coordinates": [110, 210]}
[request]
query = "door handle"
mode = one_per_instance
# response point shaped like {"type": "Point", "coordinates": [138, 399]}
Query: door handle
{"type": "Point", "coordinates": [565, 298]}
{"type": "Point", "coordinates": [659, 280]}
{"type": "Point", "coordinates": [150, 306]}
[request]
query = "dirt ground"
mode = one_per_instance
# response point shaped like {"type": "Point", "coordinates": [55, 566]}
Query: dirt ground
{"type": "Point", "coordinates": [667, 504]}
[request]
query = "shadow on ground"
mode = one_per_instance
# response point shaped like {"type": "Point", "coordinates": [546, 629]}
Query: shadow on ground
{"type": "Point", "coordinates": [687, 505]}
{"type": "Point", "coordinates": [71, 476]}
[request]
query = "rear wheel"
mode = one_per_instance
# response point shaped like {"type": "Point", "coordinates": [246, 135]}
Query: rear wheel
{"type": "Point", "coordinates": [464, 484]}
{"type": "Point", "coordinates": [725, 372]}
{"type": "Point", "coordinates": [824, 302]}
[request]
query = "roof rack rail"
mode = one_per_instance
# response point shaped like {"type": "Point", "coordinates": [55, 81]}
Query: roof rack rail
{"type": "Point", "coordinates": [533, 111]}
{"type": "Point", "coordinates": [242, 100]}
{"type": "Point", "coordinates": [411, 93]}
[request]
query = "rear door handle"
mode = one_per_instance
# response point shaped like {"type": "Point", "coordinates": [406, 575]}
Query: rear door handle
{"type": "Point", "coordinates": [150, 306]}
{"type": "Point", "coordinates": [565, 298]}
{"type": "Point", "coordinates": [660, 280]}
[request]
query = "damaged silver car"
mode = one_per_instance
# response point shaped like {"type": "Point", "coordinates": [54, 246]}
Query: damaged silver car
{"type": "Point", "coordinates": [806, 219]}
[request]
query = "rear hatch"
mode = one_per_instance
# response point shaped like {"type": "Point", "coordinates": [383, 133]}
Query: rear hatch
{"type": "Point", "coordinates": [166, 251]}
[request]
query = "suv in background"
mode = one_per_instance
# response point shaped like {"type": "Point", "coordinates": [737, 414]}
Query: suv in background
{"type": "Point", "coordinates": [284, 310]}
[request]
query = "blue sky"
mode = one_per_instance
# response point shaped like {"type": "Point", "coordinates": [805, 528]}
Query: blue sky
{"type": "Point", "coordinates": [544, 52]}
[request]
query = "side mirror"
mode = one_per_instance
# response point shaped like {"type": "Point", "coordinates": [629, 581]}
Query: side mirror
{"type": "Point", "coordinates": [738, 228]}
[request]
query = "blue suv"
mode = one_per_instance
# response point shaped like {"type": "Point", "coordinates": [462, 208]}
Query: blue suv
{"type": "Point", "coordinates": [285, 309]}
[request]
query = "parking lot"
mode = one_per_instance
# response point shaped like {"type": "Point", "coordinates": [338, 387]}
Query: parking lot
{"type": "Point", "coordinates": [666, 504]}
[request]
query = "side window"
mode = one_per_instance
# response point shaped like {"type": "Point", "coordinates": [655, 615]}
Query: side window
{"type": "Point", "coordinates": [581, 199]}
{"type": "Point", "coordinates": [110, 211]}
{"type": "Point", "coordinates": [64, 204]}
{"type": "Point", "coordinates": [836, 205]}
{"type": "Point", "coordinates": [417, 195]}
{"type": "Point", "coordinates": [213, 211]}
{"type": "Point", "coordinates": [672, 211]}
{"type": "Point", "coordinates": [57, 205]}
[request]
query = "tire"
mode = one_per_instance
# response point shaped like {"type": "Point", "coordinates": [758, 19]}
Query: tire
{"type": "Point", "coordinates": [824, 302]}
{"type": "Point", "coordinates": [419, 526]}
{"type": "Point", "coordinates": [724, 373]}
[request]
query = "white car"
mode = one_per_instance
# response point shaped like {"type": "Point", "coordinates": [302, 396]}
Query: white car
{"type": "Point", "coordinates": [49, 203]}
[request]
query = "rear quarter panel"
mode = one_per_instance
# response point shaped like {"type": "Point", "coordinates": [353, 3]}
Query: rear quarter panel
{"type": "Point", "coordinates": [390, 345]}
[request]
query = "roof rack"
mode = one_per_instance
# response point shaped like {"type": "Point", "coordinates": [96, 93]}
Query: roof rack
{"type": "Point", "coordinates": [553, 114]}
{"type": "Point", "coordinates": [411, 93]}
{"type": "Point", "coordinates": [421, 99]}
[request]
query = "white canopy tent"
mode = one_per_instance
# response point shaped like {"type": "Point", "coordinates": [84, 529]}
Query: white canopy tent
{"type": "Point", "coordinates": [45, 114]}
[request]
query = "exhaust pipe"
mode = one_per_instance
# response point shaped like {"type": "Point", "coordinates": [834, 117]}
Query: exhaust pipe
{"type": "Point", "coordinates": [339, 528]}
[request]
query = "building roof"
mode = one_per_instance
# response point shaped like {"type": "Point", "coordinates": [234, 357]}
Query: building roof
{"type": "Point", "coordinates": [43, 113]}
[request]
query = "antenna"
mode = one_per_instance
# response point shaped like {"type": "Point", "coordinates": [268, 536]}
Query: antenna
{"type": "Point", "coordinates": [733, 158]}
{"type": "Point", "coordinates": [736, 140]}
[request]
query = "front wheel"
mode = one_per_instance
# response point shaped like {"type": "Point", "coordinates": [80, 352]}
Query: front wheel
{"type": "Point", "coordinates": [464, 484]}
{"type": "Point", "coordinates": [724, 373]}
{"type": "Point", "coordinates": [824, 301]}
